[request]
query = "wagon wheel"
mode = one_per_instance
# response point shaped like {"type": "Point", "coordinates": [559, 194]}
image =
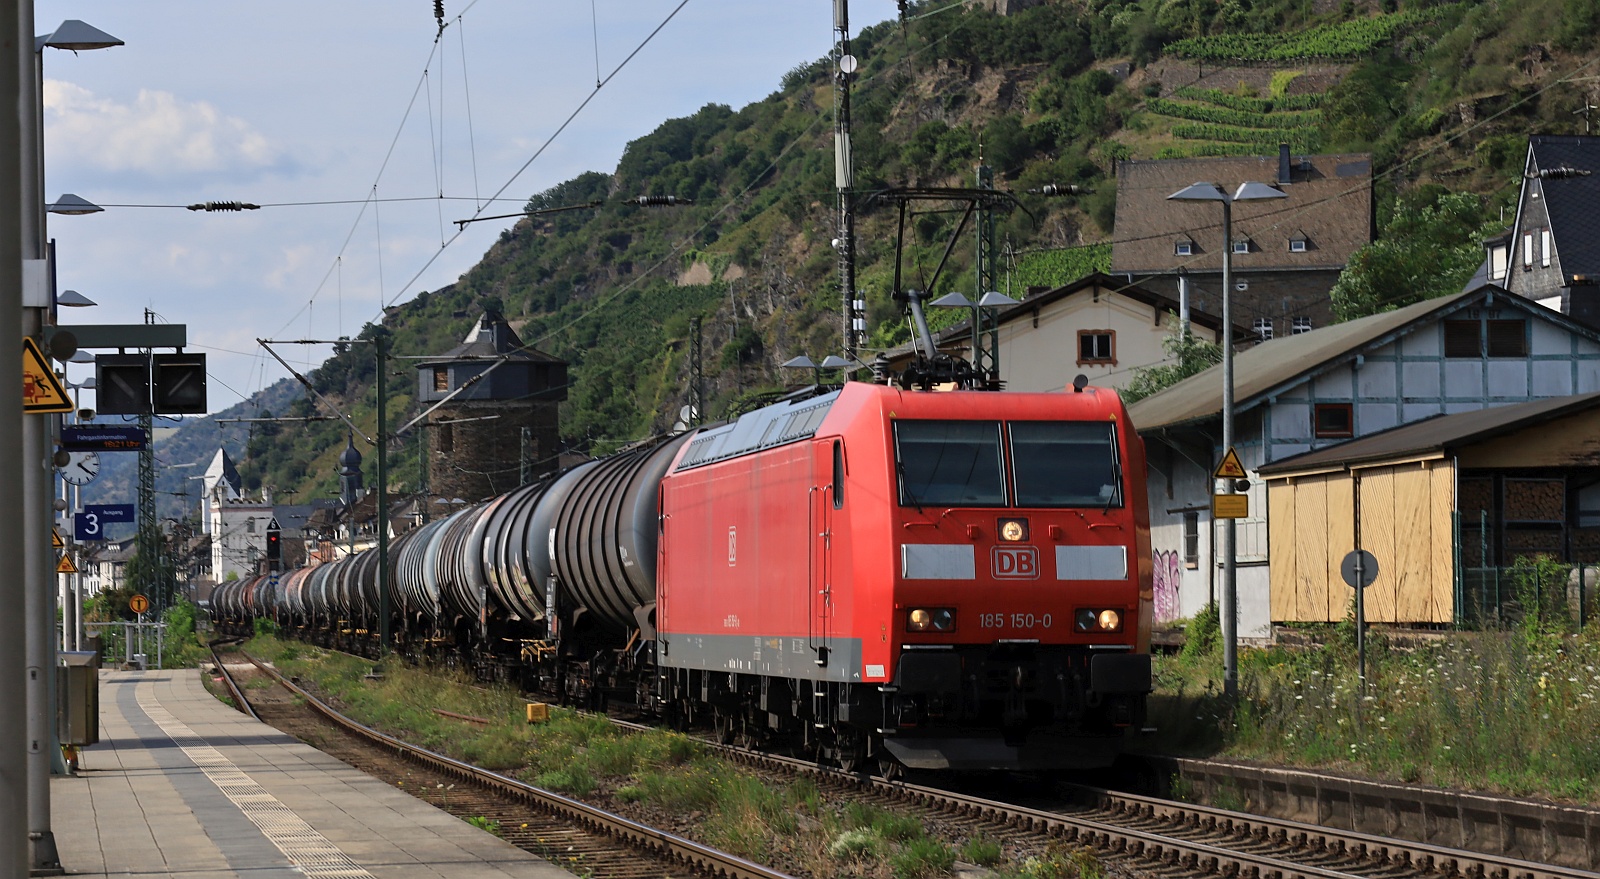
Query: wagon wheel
{"type": "Point", "coordinates": [852, 751]}
{"type": "Point", "coordinates": [726, 726]}
{"type": "Point", "coordinates": [890, 769]}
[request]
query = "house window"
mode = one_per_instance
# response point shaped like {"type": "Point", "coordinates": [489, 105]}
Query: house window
{"type": "Point", "coordinates": [1301, 325]}
{"type": "Point", "coordinates": [1297, 244]}
{"type": "Point", "coordinates": [249, 526]}
{"type": "Point", "coordinates": [1461, 339]}
{"type": "Point", "coordinates": [1183, 247]}
{"type": "Point", "coordinates": [1507, 338]}
{"type": "Point", "coordinates": [1333, 421]}
{"type": "Point", "coordinates": [1191, 540]}
{"type": "Point", "coordinates": [1097, 346]}
{"type": "Point", "coordinates": [1544, 248]}
{"type": "Point", "coordinates": [1241, 245]}
{"type": "Point", "coordinates": [1527, 251]}
{"type": "Point", "coordinates": [441, 378]}
{"type": "Point", "coordinates": [1263, 328]}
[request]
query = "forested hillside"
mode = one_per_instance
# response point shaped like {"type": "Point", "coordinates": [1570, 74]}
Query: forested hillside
{"type": "Point", "coordinates": [1443, 94]}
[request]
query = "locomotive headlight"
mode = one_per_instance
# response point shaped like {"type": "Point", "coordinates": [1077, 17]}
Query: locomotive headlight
{"type": "Point", "coordinates": [932, 619]}
{"type": "Point", "coordinates": [1013, 530]}
{"type": "Point", "coordinates": [1089, 619]}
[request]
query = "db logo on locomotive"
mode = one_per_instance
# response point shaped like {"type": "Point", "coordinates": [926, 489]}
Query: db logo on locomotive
{"type": "Point", "coordinates": [1016, 563]}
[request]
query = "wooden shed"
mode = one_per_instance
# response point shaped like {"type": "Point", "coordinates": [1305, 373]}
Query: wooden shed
{"type": "Point", "coordinates": [1427, 499]}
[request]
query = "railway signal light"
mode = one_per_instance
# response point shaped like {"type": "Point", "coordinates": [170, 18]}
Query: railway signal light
{"type": "Point", "coordinates": [143, 384]}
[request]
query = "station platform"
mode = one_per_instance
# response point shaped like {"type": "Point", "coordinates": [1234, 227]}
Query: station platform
{"type": "Point", "coordinates": [182, 785]}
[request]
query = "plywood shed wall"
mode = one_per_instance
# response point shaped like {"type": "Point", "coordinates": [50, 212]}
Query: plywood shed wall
{"type": "Point", "coordinates": [1405, 523]}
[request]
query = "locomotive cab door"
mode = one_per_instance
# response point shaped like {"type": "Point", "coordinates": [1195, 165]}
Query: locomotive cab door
{"type": "Point", "coordinates": [827, 471]}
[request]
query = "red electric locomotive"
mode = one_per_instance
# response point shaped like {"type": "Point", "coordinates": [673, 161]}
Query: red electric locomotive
{"type": "Point", "coordinates": [933, 580]}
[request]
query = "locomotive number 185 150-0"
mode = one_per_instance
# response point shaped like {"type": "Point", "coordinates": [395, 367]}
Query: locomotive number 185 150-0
{"type": "Point", "coordinates": [1013, 621]}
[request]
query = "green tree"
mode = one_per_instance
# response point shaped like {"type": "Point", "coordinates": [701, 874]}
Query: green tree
{"type": "Point", "coordinates": [1187, 355]}
{"type": "Point", "coordinates": [1429, 247]}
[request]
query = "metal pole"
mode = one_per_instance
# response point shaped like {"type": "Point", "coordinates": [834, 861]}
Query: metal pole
{"type": "Point", "coordinates": [35, 510]}
{"type": "Point", "coordinates": [380, 336]}
{"type": "Point", "coordinates": [844, 177]}
{"type": "Point", "coordinates": [1230, 582]}
{"type": "Point", "coordinates": [1361, 592]}
{"type": "Point", "coordinates": [13, 631]}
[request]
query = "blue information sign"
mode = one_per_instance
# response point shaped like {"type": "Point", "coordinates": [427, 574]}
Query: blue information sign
{"type": "Point", "coordinates": [102, 438]}
{"type": "Point", "coordinates": [91, 523]}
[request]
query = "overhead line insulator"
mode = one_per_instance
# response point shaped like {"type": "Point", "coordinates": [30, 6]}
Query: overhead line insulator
{"type": "Point", "coordinates": [647, 201]}
{"type": "Point", "coordinates": [224, 206]}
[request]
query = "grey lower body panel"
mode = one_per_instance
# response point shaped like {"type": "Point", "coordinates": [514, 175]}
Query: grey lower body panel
{"type": "Point", "coordinates": [772, 656]}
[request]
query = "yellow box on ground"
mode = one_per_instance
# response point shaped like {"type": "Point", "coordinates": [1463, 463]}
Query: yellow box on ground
{"type": "Point", "coordinates": [538, 712]}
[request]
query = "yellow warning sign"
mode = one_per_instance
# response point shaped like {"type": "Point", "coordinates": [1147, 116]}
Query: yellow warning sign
{"type": "Point", "coordinates": [55, 539]}
{"type": "Point", "coordinates": [1230, 506]}
{"type": "Point", "coordinates": [65, 566]}
{"type": "Point", "coordinates": [1230, 468]}
{"type": "Point", "coordinates": [41, 390]}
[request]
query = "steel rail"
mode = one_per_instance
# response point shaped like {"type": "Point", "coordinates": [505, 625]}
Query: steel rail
{"type": "Point", "coordinates": [239, 701]}
{"type": "Point", "coordinates": [702, 858]}
{"type": "Point", "coordinates": [1384, 849]}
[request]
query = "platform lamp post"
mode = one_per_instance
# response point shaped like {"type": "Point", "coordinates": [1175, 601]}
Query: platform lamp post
{"type": "Point", "coordinates": [1210, 192]}
{"type": "Point", "coordinates": [38, 571]}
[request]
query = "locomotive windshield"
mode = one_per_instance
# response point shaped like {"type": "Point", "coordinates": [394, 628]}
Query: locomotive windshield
{"type": "Point", "coordinates": [1065, 464]}
{"type": "Point", "coordinates": [1053, 464]}
{"type": "Point", "coordinates": [949, 463]}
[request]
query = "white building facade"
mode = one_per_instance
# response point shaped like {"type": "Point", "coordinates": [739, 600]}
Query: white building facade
{"type": "Point", "coordinates": [1460, 353]}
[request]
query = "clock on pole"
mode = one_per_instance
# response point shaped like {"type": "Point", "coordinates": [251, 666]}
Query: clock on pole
{"type": "Point", "coordinates": [82, 468]}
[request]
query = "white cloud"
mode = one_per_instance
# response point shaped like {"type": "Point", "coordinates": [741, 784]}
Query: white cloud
{"type": "Point", "coordinates": [159, 134]}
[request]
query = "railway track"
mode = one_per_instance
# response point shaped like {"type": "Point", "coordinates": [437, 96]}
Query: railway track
{"type": "Point", "coordinates": [583, 839]}
{"type": "Point", "coordinates": [1168, 838]}
{"type": "Point", "coordinates": [1141, 835]}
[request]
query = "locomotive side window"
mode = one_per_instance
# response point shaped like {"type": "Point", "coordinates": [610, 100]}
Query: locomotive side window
{"type": "Point", "coordinates": [838, 475]}
{"type": "Point", "coordinates": [949, 463]}
{"type": "Point", "coordinates": [1066, 464]}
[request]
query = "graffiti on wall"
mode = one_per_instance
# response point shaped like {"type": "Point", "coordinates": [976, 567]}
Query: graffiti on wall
{"type": "Point", "coordinates": [1168, 577]}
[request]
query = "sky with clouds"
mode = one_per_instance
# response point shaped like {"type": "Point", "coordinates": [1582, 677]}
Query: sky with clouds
{"type": "Point", "coordinates": [346, 121]}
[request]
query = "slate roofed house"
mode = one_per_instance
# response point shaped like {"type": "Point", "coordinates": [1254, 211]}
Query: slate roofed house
{"type": "Point", "coordinates": [1552, 252]}
{"type": "Point", "coordinates": [1474, 350]}
{"type": "Point", "coordinates": [1287, 253]}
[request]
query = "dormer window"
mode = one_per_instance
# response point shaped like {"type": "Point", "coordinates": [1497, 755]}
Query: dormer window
{"type": "Point", "coordinates": [1297, 243]}
{"type": "Point", "coordinates": [1241, 245]}
{"type": "Point", "coordinates": [1183, 247]}
{"type": "Point", "coordinates": [441, 378]}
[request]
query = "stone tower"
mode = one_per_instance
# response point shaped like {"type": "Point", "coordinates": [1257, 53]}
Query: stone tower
{"type": "Point", "coordinates": [477, 438]}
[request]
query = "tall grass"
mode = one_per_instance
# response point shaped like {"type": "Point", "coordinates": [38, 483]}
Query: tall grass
{"type": "Point", "coordinates": [1511, 709]}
